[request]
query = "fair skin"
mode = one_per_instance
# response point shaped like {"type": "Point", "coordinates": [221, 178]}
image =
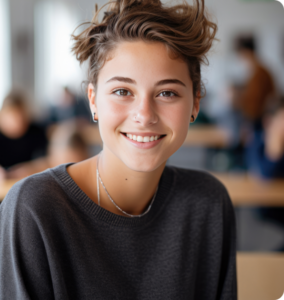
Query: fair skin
{"type": "Point", "coordinates": [142, 91]}
{"type": "Point", "coordinates": [13, 122]}
{"type": "Point", "coordinates": [274, 136]}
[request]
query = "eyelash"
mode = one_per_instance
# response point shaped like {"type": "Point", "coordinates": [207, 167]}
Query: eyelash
{"type": "Point", "coordinates": [174, 92]}
{"type": "Point", "coordinates": [114, 92]}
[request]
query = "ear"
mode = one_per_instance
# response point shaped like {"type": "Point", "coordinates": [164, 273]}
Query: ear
{"type": "Point", "coordinates": [196, 105]}
{"type": "Point", "coordinates": [92, 98]}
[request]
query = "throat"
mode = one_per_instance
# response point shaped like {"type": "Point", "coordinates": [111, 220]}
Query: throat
{"type": "Point", "coordinates": [132, 191]}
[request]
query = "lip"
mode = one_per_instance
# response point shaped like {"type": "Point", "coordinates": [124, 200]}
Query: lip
{"type": "Point", "coordinates": [142, 145]}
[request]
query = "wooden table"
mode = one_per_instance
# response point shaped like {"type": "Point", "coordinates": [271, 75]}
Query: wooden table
{"type": "Point", "coordinates": [249, 190]}
{"type": "Point", "coordinates": [198, 135]}
{"type": "Point", "coordinates": [260, 275]}
{"type": "Point", "coordinates": [5, 186]}
{"type": "Point", "coordinates": [207, 136]}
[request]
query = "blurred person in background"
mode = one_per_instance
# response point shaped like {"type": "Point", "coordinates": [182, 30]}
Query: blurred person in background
{"type": "Point", "coordinates": [265, 159]}
{"type": "Point", "coordinates": [69, 106]}
{"type": "Point", "coordinates": [253, 98]}
{"type": "Point", "coordinates": [67, 144]}
{"type": "Point", "coordinates": [21, 140]}
{"type": "Point", "coordinates": [265, 148]}
{"type": "Point", "coordinates": [249, 100]}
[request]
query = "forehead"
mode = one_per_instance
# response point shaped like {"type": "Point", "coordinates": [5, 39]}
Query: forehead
{"type": "Point", "coordinates": [12, 109]}
{"type": "Point", "coordinates": [144, 61]}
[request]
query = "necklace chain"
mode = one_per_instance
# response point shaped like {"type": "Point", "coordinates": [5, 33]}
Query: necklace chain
{"type": "Point", "coordinates": [99, 202]}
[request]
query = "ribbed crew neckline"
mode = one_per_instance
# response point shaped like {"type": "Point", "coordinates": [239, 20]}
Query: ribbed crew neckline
{"type": "Point", "coordinates": [164, 193]}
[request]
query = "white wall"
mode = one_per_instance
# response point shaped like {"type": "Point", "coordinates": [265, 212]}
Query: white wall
{"type": "Point", "coordinates": [266, 19]}
{"type": "Point", "coordinates": [55, 65]}
{"type": "Point", "coordinates": [22, 49]}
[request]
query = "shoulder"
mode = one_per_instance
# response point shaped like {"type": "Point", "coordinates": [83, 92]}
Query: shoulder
{"type": "Point", "coordinates": [33, 194]}
{"type": "Point", "coordinates": [197, 178]}
{"type": "Point", "coordinates": [263, 72]}
{"type": "Point", "coordinates": [199, 185]}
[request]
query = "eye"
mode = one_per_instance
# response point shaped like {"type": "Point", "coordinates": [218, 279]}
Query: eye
{"type": "Point", "coordinates": [167, 94]}
{"type": "Point", "coordinates": [122, 92]}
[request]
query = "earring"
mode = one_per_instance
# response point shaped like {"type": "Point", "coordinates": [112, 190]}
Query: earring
{"type": "Point", "coordinates": [192, 118]}
{"type": "Point", "coordinates": [94, 120]}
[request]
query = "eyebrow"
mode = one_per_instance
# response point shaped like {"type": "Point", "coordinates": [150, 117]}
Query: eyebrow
{"type": "Point", "coordinates": [122, 79]}
{"type": "Point", "coordinates": [161, 82]}
{"type": "Point", "coordinates": [166, 81]}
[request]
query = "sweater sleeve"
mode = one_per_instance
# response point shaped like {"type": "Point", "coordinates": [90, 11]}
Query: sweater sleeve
{"type": "Point", "coordinates": [24, 268]}
{"type": "Point", "coordinates": [227, 289]}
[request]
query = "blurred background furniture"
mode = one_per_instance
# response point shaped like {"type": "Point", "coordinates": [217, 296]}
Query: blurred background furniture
{"type": "Point", "coordinates": [5, 187]}
{"type": "Point", "coordinates": [248, 190]}
{"type": "Point", "coordinates": [260, 275]}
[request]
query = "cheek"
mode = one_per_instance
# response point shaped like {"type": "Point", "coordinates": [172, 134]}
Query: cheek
{"type": "Point", "coordinates": [111, 116]}
{"type": "Point", "coordinates": [178, 118]}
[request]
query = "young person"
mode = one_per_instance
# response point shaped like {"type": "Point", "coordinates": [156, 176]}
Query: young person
{"type": "Point", "coordinates": [253, 99]}
{"type": "Point", "coordinates": [122, 224]}
{"type": "Point", "coordinates": [21, 140]}
{"type": "Point", "coordinates": [66, 144]}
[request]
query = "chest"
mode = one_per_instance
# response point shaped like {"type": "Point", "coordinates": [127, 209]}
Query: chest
{"type": "Point", "coordinates": [164, 262]}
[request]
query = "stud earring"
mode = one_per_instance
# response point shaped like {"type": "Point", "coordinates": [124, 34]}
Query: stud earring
{"type": "Point", "coordinates": [94, 120]}
{"type": "Point", "coordinates": [192, 118]}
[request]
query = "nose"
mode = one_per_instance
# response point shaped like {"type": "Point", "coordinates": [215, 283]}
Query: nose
{"type": "Point", "coordinates": [145, 113]}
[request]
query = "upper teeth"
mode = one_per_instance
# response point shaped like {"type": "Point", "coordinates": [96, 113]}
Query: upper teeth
{"type": "Point", "coordinates": [142, 139]}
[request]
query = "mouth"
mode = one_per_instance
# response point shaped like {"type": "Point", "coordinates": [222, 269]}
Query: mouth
{"type": "Point", "coordinates": [143, 139]}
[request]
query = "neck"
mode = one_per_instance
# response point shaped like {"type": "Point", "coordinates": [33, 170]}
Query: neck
{"type": "Point", "coordinates": [131, 190]}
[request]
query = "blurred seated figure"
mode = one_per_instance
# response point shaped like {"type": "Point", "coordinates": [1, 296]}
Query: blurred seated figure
{"type": "Point", "coordinates": [20, 139]}
{"type": "Point", "coordinates": [265, 149]}
{"type": "Point", "coordinates": [253, 99]}
{"type": "Point", "coordinates": [249, 99]}
{"type": "Point", "coordinates": [265, 158]}
{"type": "Point", "coordinates": [70, 106]}
{"type": "Point", "coordinates": [67, 144]}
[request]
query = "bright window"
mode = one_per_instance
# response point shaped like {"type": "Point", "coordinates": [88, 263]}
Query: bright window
{"type": "Point", "coordinates": [5, 60]}
{"type": "Point", "coordinates": [55, 65]}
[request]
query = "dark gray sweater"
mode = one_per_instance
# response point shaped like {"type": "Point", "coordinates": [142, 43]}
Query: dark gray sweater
{"type": "Point", "coordinates": [56, 243]}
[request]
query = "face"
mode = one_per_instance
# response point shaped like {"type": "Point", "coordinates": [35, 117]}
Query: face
{"type": "Point", "coordinates": [247, 57]}
{"type": "Point", "coordinates": [142, 92]}
{"type": "Point", "coordinates": [13, 122]}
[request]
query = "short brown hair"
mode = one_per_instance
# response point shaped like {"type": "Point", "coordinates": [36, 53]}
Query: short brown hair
{"type": "Point", "coordinates": [15, 99]}
{"type": "Point", "coordinates": [184, 29]}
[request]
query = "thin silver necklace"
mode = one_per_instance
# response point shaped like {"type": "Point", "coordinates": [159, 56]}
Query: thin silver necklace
{"type": "Point", "coordinates": [99, 202]}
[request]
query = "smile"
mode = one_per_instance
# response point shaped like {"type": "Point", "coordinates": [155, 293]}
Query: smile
{"type": "Point", "coordinates": [143, 141]}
